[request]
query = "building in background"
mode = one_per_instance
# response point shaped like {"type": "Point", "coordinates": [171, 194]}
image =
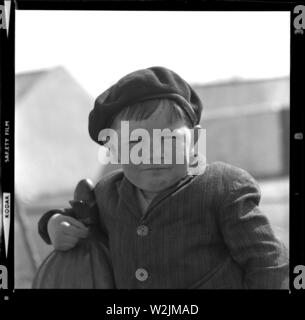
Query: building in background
{"type": "Point", "coordinates": [53, 152]}
{"type": "Point", "coordinates": [247, 125]}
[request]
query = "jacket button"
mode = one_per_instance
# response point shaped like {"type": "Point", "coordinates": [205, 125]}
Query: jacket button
{"type": "Point", "coordinates": [141, 274]}
{"type": "Point", "coordinates": [142, 230]}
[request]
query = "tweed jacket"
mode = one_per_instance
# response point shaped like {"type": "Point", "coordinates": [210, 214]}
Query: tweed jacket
{"type": "Point", "coordinates": [205, 232]}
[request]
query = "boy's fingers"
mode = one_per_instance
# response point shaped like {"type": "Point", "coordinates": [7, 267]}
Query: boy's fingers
{"type": "Point", "coordinates": [67, 242]}
{"type": "Point", "coordinates": [75, 223]}
{"type": "Point", "coordinates": [70, 239]}
{"type": "Point", "coordinates": [64, 247]}
{"type": "Point", "coordinates": [73, 231]}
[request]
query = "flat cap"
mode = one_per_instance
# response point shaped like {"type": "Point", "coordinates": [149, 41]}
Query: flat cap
{"type": "Point", "coordinates": [138, 86]}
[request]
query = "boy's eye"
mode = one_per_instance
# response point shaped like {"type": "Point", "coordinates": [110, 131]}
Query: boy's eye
{"type": "Point", "coordinates": [139, 139]}
{"type": "Point", "coordinates": [168, 137]}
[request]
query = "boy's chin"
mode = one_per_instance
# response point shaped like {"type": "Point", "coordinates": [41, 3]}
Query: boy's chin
{"type": "Point", "coordinates": [156, 184]}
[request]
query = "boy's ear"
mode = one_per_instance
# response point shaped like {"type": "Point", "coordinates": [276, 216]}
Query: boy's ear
{"type": "Point", "coordinates": [196, 133]}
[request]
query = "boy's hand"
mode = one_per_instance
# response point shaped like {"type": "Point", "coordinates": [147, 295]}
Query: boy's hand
{"type": "Point", "coordinates": [65, 231]}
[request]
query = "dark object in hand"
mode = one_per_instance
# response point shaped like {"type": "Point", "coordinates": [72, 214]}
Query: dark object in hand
{"type": "Point", "coordinates": [87, 265]}
{"type": "Point", "coordinates": [84, 204]}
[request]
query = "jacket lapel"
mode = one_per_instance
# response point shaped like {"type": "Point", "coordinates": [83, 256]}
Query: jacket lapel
{"type": "Point", "coordinates": [128, 196]}
{"type": "Point", "coordinates": [192, 171]}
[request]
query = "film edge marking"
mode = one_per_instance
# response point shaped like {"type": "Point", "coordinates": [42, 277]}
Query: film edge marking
{"type": "Point", "coordinates": [6, 218]}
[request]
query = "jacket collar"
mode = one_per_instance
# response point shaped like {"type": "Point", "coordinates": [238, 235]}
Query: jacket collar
{"type": "Point", "coordinates": [128, 192]}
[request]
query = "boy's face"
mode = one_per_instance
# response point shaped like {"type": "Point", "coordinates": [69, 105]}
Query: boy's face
{"type": "Point", "coordinates": [156, 177]}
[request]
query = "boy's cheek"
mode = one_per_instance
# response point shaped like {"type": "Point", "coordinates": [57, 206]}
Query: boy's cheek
{"type": "Point", "coordinates": [180, 154]}
{"type": "Point", "coordinates": [115, 152]}
{"type": "Point", "coordinates": [132, 172]}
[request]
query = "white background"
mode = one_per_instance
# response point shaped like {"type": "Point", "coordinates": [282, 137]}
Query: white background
{"type": "Point", "coordinates": [99, 47]}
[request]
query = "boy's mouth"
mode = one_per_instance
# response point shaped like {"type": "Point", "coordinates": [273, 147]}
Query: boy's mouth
{"type": "Point", "coordinates": [157, 167]}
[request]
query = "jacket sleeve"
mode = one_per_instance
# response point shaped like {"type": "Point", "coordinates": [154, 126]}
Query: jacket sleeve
{"type": "Point", "coordinates": [43, 222]}
{"type": "Point", "coordinates": [248, 234]}
{"type": "Point", "coordinates": [98, 190]}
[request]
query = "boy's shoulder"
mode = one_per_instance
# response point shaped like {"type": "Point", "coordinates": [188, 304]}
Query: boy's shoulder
{"type": "Point", "coordinates": [227, 172]}
{"type": "Point", "coordinates": [228, 177]}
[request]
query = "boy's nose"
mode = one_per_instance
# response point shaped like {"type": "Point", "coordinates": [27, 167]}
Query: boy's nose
{"type": "Point", "coordinates": [163, 154]}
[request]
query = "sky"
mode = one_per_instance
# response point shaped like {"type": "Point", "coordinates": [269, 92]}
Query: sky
{"type": "Point", "coordinates": [100, 47]}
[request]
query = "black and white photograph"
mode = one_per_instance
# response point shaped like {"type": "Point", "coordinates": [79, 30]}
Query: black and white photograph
{"type": "Point", "coordinates": [100, 201]}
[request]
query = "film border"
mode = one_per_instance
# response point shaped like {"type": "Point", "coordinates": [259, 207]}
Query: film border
{"type": "Point", "coordinates": [297, 116]}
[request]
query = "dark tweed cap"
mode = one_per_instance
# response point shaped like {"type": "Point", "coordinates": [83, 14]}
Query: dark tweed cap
{"type": "Point", "coordinates": [138, 86]}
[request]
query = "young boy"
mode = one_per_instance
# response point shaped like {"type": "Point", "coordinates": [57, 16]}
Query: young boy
{"type": "Point", "coordinates": [173, 225]}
